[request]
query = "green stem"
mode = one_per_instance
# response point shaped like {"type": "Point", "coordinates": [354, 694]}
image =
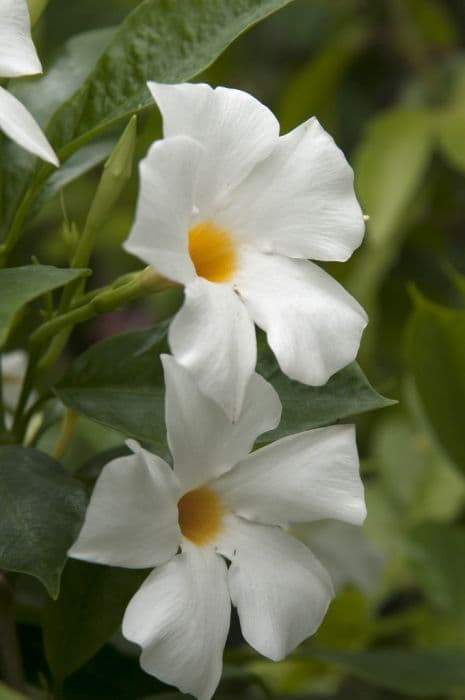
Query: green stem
{"type": "Point", "coordinates": [14, 231]}
{"type": "Point", "coordinates": [142, 284]}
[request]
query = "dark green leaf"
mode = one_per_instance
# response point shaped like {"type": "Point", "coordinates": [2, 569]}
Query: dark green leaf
{"type": "Point", "coordinates": [452, 137]}
{"type": "Point", "coordinates": [346, 394]}
{"type": "Point", "coordinates": [19, 285]}
{"type": "Point", "coordinates": [88, 612]}
{"type": "Point", "coordinates": [119, 382]}
{"type": "Point", "coordinates": [436, 359]}
{"type": "Point", "coordinates": [41, 511]}
{"type": "Point", "coordinates": [164, 40]}
{"type": "Point", "coordinates": [417, 673]}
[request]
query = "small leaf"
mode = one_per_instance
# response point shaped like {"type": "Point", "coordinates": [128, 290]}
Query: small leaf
{"type": "Point", "coordinates": [119, 382]}
{"type": "Point", "coordinates": [346, 394]}
{"type": "Point", "coordinates": [41, 511]}
{"type": "Point", "coordinates": [19, 285]}
{"type": "Point", "coordinates": [435, 343]}
{"type": "Point", "coordinates": [88, 612]}
{"type": "Point", "coordinates": [417, 673]}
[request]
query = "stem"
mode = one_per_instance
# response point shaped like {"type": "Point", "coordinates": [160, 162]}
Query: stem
{"type": "Point", "coordinates": [67, 427]}
{"type": "Point", "coordinates": [11, 668]}
{"type": "Point", "coordinates": [107, 300]}
{"type": "Point", "coordinates": [14, 231]}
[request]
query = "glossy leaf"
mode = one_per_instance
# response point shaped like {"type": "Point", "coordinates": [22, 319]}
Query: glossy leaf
{"type": "Point", "coordinates": [166, 41]}
{"type": "Point", "coordinates": [346, 394]}
{"type": "Point", "coordinates": [417, 673]}
{"type": "Point", "coordinates": [41, 511]}
{"type": "Point", "coordinates": [119, 382]}
{"type": "Point", "coordinates": [19, 285]}
{"type": "Point", "coordinates": [88, 612]}
{"type": "Point", "coordinates": [435, 355]}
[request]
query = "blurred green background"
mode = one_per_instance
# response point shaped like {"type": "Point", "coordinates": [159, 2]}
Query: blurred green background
{"type": "Point", "coordinates": [387, 79]}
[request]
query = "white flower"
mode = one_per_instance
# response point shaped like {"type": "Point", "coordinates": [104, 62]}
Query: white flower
{"type": "Point", "coordinates": [231, 210]}
{"type": "Point", "coordinates": [18, 57]}
{"type": "Point", "coordinates": [220, 504]}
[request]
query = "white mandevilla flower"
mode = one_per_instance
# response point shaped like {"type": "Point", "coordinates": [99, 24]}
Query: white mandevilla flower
{"type": "Point", "coordinates": [18, 57]}
{"type": "Point", "coordinates": [232, 211]}
{"type": "Point", "coordinates": [219, 503]}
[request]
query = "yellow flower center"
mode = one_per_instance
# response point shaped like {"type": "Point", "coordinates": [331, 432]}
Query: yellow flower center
{"type": "Point", "coordinates": [212, 252]}
{"type": "Point", "coordinates": [200, 515]}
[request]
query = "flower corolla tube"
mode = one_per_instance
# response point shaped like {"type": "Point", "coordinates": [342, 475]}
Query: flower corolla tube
{"type": "Point", "coordinates": [18, 57]}
{"type": "Point", "coordinates": [215, 526]}
{"type": "Point", "coordinates": [233, 211]}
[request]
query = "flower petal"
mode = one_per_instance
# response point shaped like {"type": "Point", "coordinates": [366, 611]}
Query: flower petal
{"type": "Point", "coordinates": [346, 552]}
{"type": "Point", "coordinates": [180, 618]}
{"type": "Point", "coordinates": [203, 441]}
{"type": "Point", "coordinates": [300, 478]}
{"type": "Point", "coordinates": [20, 126]}
{"type": "Point", "coordinates": [300, 201]}
{"type": "Point", "coordinates": [236, 130]}
{"type": "Point", "coordinates": [313, 325]}
{"type": "Point", "coordinates": [132, 518]}
{"type": "Point", "coordinates": [17, 51]}
{"type": "Point", "coordinates": [159, 235]}
{"type": "Point", "coordinates": [280, 589]}
{"type": "Point", "coordinates": [213, 337]}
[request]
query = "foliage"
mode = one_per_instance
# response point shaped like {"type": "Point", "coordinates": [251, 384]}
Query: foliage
{"type": "Point", "coordinates": [388, 80]}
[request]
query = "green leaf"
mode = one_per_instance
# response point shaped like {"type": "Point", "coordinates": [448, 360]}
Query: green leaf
{"type": "Point", "coordinates": [435, 343]}
{"type": "Point", "coordinates": [41, 511]}
{"type": "Point", "coordinates": [313, 88]}
{"type": "Point", "coordinates": [88, 612]}
{"type": "Point", "coordinates": [119, 382]}
{"type": "Point", "coordinates": [389, 165]}
{"type": "Point", "coordinates": [7, 693]}
{"type": "Point", "coordinates": [19, 285]}
{"type": "Point", "coordinates": [80, 162]}
{"type": "Point", "coordinates": [417, 673]}
{"type": "Point", "coordinates": [429, 488]}
{"type": "Point", "coordinates": [437, 553]}
{"type": "Point", "coordinates": [163, 40]}
{"type": "Point", "coordinates": [451, 133]}
{"type": "Point", "coordinates": [346, 394]}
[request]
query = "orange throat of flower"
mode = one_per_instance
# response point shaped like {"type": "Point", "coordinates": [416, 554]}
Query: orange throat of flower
{"type": "Point", "coordinates": [213, 252]}
{"type": "Point", "coordinates": [200, 515]}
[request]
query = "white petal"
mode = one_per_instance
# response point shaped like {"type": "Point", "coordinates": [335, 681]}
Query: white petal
{"type": "Point", "coordinates": [280, 589]}
{"type": "Point", "coordinates": [132, 518]}
{"type": "Point", "coordinates": [159, 235]}
{"type": "Point", "coordinates": [180, 618]}
{"type": "Point", "coordinates": [346, 552]}
{"type": "Point", "coordinates": [236, 130]}
{"type": "Point", "coordinates": [300, 201]}
{"type": "Point", "coordinates": [313, 325]}
{"type": "Point", "coordinates": [17, 52]}
{"type": "Point", "coordinates": [300, 478]}
{"type": "Point", "coordinates": [20, 126]}
{"type": "Point", "coordinates": [203, 441]}
{"type": "Point", "coordinates": [213, 337]}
